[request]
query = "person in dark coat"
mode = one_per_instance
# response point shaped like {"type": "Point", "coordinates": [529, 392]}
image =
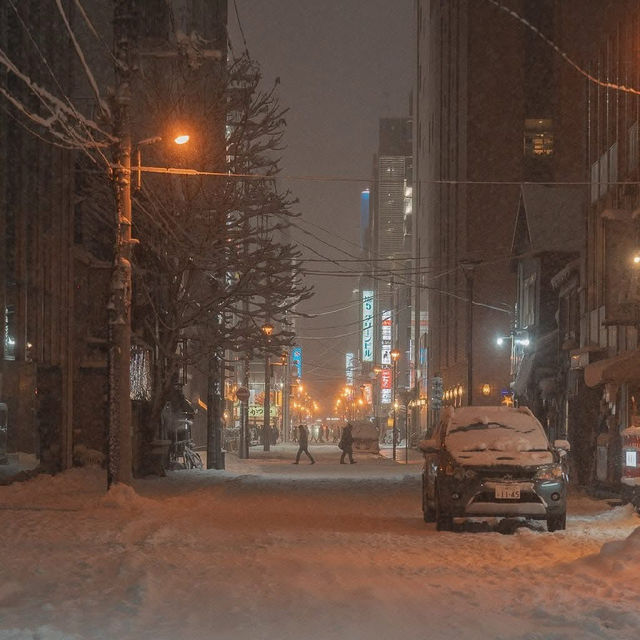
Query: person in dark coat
{"type": "Point", "coordinates": [303, 444]}
{"type": "Point", "coordinates": [346, 444]}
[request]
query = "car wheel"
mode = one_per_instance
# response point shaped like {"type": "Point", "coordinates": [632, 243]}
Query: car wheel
{"type": "Point", "coordinates": [444, 522]}
{"type": "Point", "coordinates": [557, 522]}
{"type": "Point", "coordinates": [428, 512]}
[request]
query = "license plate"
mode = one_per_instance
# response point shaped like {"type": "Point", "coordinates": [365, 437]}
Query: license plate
{"type": "Point", "coordinates": [508, 492]}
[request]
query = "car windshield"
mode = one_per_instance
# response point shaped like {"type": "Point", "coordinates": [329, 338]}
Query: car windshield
{"type": "Point", "coordinates": [521, 434]}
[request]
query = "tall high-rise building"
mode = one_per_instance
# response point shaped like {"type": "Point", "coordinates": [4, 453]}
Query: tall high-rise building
{"type": "Point", "coordinates": [487, 119]}
{"type": "Point", "coordinates": [388, 246]}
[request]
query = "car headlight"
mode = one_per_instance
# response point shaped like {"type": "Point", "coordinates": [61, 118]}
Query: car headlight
{"type": "Point", "coordinates": [549, 472]}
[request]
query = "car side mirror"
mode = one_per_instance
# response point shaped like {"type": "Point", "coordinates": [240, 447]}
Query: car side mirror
{"type": "Point", "coordinates": [429, 446]}
{"type": "Point", "coordinates": [562, 445]}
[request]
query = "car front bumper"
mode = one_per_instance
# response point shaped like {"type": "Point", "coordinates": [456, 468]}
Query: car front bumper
{"type": "Point", "coordinates": [537, 499]}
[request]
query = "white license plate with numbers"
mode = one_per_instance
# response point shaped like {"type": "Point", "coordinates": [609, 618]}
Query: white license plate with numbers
{"type": "Point", "coordinates": [508, 492]}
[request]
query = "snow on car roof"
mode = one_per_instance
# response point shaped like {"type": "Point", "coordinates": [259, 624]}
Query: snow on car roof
{"type": "Point", "coordinates": [494, 429]}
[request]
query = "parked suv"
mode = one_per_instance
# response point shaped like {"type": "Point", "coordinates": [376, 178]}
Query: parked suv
{"type": "Point", "coordinates": [493, 462]}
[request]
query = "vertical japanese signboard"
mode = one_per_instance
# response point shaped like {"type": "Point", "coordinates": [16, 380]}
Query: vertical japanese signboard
{"type": "Point", "coordinates": [349, 368]}
{"type": "Point", "coordinates": [367, 393]}
{"type": "Point", "coordinates": [367, 326]}
{"type": "Point", "coordinates": [386, 386]}
{"type": "Point", "coordinates": [296, 361]}
{"type": "Point", "coordinates": [385, 356]}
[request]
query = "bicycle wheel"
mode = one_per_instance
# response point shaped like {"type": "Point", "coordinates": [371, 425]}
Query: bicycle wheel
{"type": "Point", "coordinates": [197, 460]}
{"type": "Point", "coordinates": [192, 459]}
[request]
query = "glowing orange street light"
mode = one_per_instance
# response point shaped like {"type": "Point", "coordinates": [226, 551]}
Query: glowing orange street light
{"type": "Point", "coordinates": [181, 139]}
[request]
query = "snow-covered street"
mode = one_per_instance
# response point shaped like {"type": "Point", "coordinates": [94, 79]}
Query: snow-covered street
{"type": "Point", "coordinates": [267, 549]}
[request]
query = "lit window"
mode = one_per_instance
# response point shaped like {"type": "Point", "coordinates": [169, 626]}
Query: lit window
{"type": "Point", "coordinates": [538, 137]}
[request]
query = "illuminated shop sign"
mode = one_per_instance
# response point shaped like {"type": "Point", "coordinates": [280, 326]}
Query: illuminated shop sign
{"type": "Point", "coordinates": [385, 356]}
{"type": "Point", "coordinates": [386, 386]}
{"type": "Point", "coordinates": [349, 368]}
{"type": "Point", "coordinates": [367, 326]}
{"type": "Point", "coordinates": [296, 361]}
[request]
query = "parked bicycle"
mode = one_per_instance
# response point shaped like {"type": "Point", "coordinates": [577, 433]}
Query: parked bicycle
{"type": "Point", "coordinates": [182, 455]}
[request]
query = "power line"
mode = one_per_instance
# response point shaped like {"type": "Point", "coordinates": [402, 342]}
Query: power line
{"type": "Point", "coordinates": [562, 54]}
{"type": "Point", "coordinates": [244, 40]}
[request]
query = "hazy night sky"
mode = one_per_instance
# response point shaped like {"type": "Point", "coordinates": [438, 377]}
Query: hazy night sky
{"type": "Point", "coordinates": [342, 65]}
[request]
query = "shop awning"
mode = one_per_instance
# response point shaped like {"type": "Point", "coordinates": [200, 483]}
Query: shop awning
{"type": "Point", "coordinates": [625, 367]}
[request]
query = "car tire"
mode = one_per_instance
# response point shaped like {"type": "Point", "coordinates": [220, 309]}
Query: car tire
{"type": "Point", "coordinates": [557, 522]}
{"type": "Point", "coordinates": [444, 522]}
{"type": "Point", "coordinates": [428, 512]}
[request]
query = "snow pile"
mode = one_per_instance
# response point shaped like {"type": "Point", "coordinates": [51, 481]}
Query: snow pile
{"type": "Point", "coordinates": [617, 557]}
{"type": "Point", "coordinates": [122, 496]}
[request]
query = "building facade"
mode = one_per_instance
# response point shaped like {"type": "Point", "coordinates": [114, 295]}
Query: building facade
{"type": "Point", "coordinates": [386, 287]}
{"type": "Point", "coordinates": [498, 109]}
{"type": "Point", "coordinates": [56, 235]}
{"type": "Point", "coordinates": [486, 119]}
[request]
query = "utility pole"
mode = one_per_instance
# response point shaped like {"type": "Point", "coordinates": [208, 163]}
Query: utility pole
{"type": "Point", "coordinates": [415, 411]}
{"type": "Point", "coordinates": [267, 330]}
{"type": "Point", "coordinates": [395, 354]}
{"type": "Point", "coordinates": [286, 397]}
{"type": "Point", "coordinates": [244, 411]}
{"type": "Point", "coordinates": [468, 269]}
{"type": "Point", "coordinates": [215, 458]}
{"type": "Point", "coordinates": [119, 468]}
{"type": "Point", "coordinates": [266, 425]}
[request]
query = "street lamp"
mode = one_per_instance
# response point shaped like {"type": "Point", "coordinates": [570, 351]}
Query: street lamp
{"type": "Point", "coordinates": [395, 355]}
{"type": "Point", "coordinates": [267, 330]}
{"type": "Point", "coordinates": [179, 140]}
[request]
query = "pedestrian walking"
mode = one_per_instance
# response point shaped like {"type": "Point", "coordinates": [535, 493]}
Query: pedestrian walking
{"type": "Point", "coordinates": [346, 444]}
{"type": "Point", "coordinates": [303, 444]}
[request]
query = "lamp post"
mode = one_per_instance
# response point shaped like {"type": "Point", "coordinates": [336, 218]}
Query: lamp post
{"type": "Point", "coordinates": [395, 354]}
{"type": "Point", "coordinates": [267, 330]}
{"type": "Point", "coordinates": [375, 396]}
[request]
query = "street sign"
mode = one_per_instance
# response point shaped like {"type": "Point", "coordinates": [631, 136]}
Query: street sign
{"type": "Point", "coordinates": [242, 393]}
{"type": "Point", "coordinates": [296, 360]}
{"type": "Point", "coordinates": [257, 411]}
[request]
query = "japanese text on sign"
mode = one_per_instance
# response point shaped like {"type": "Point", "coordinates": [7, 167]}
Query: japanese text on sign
{"type": "Point", "coordinates": [367, 326]}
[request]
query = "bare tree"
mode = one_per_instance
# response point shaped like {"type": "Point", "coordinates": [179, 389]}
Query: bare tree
{"type": "Point", "coordinates": [213, 262]}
